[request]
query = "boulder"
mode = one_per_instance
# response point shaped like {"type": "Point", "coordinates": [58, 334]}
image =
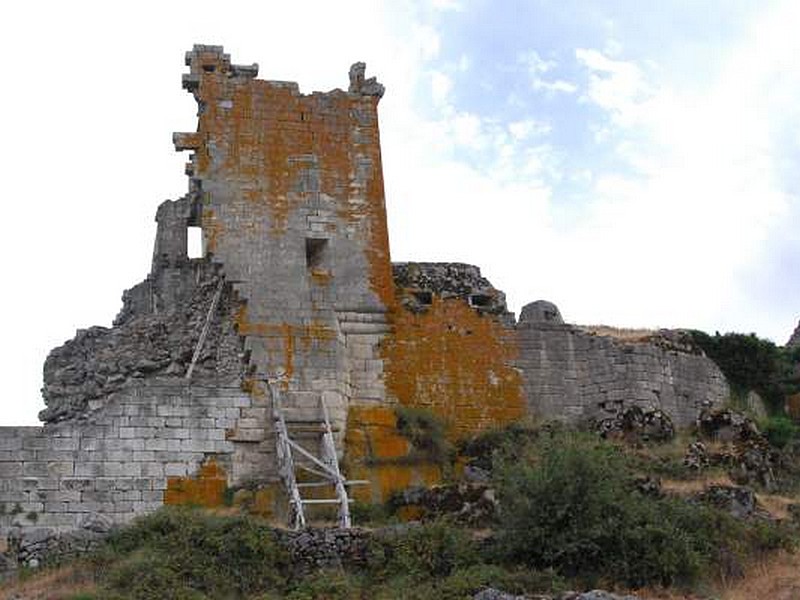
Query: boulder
{"type": "Point", "coordinates": [637, 424]}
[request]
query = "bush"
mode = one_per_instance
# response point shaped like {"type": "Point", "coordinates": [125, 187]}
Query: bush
{"type": "Point", "coordinates": [464, 583]}
{"type": "Point", "coordinates": [431, 550]}
{"type": "Point", "coordinates": [192, 554]}
{"type": "Point", "coordinates": [780, 430]}
{"type": "Point", "coordinates": [481, 448]}
{"type": "Point", "coordinates": [752, 363]}
{"type": "Point", "coordinates": [327, 585]}
{"type": "Point", "coordinates": [572, 506]}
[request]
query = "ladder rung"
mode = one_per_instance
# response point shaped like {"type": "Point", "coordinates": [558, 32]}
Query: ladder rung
{"type": "Point", "coordinates": [309, 429]}
{"type": "Point", "coordinates": [324, 501]}
{"type": "Point", "coordinates": [310, 484]}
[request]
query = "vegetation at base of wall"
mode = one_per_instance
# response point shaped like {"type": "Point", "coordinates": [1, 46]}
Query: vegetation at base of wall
{"type": "Point", "coordinates": [752, 363]}
{"type": "Point", "coordinates": [480, 449]}
{"type": "Point", "coordinates": [571, 516]}
{"type": "Point", "coordinates": [572, 505]}
{"type": "Point", "coordinates": [780, 430]}
{"type": "Point", "coordinates": [367, 513]}
{"type": "Point", "coordinates": [426, 432]}
{"type": "Point", "coordinates": [188, 554]}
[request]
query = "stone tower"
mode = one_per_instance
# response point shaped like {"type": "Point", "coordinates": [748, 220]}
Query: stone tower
{"type": "Point", "coordinates": [288, 191]}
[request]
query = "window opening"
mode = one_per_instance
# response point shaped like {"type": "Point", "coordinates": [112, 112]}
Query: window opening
{"type": "Point", "coordinates": [315, 252]}
{"type": "Point", "coordinates": [480, 300]}
{"type": "Point", "coordinates": [194, 242]}
{"type": "Point", "coordinates": [425, 298]}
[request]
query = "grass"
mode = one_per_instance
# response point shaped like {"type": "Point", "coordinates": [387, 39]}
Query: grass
{"type": "Point", "coordinates": [72, 582]}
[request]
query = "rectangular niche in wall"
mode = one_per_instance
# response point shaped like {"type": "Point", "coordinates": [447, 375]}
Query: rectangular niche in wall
{"type": "Point", "coordinates": [316, 253]}
{"type": "Point", "coordinates": [194, 242]}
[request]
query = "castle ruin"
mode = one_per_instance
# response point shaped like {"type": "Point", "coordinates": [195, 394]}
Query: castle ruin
{"type": "Point", "coordinates": [296, 295]}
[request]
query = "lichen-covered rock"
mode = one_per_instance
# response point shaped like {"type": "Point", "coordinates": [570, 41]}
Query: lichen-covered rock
{"type": "Point", "coordinates": [635, 424]}
{"type": "Point", "coordinates": [726, 425]}
{"type": "Point", "coordinates": [696, 456]}
{"type": "Point", "coordinates": [747, 454]}
{"type": "Point", "coordinates": [472, 504]}
{"type": "Point", "coordinates": [493, 594]}
{"type": "Point", "coordinates": [754, 463]}
{"type": "Point", "coordinates": [740, 502]}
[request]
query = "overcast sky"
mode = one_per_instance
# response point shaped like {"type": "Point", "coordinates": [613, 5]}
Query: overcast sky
{"type": "Point", "coordinates": [634, 162]}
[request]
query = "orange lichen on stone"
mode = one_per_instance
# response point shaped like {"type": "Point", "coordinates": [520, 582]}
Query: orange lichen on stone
{"type": "Point", "coordinates": [306, 334]}
{"type": "Point", "coordinates": [375, 451]}
{"type": "Point", "coordinates": [372, 434]}
{"type": "Point", "coordinates": [455, 362]}
{"type": "Point", "coordinates": [206, 489]}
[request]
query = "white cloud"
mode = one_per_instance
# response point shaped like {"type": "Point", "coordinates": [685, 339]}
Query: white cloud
{"type": "Point", "coordinates": [441, 86]}
{"type": "Point", "coordinates": [559, 85]}
{"type": "Point", "coordinates": [446, 5]}
{"type": "Point", "coordinates": [535, 63]}
{"type": "Point", "coordinates": [538, 66]}
{"type": "Point", "coordinates": [615, 85]}
{"type": "Point", "coordinates": [522, 130]}
{"type": "Point", "coordinates": [701, 194]}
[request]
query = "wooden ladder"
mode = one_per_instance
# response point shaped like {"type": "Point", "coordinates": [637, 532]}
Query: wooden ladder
{"type": "Point", "coordinates": [206, 326]}
{"type": "Point", "coordinates": [291, 456]}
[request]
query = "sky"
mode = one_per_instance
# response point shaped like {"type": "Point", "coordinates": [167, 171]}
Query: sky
{"type": "Point", "coordinates": [634, 162]}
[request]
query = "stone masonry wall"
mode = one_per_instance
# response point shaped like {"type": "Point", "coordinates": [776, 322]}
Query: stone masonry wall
{"type": "Point", "coordinates": [124, 457]}
{"type": "Point", "coordinates": [573, 375]}
{"type": "Point", "coordinates": [289, 194]}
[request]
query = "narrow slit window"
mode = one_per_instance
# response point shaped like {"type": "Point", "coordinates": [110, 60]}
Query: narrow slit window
{"type": "Point", "coordinates": [480, 300]}
{"type": "Point", "coordinates": [315, 252]}
{"type": "Point", "coordinates": [194, 242]}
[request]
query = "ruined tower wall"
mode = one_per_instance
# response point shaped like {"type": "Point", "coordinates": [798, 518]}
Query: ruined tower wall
{"type": "Point", "coordinates": [289, 194]}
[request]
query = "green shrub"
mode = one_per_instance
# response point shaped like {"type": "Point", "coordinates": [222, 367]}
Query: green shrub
{"type": "Point", "coordinates": [466, 582]}
{"type": "Point", "coordinates": [752, 363]}
{"type": "Point", "coordinates": [215, 556]}
{"type": "Point", "coordinates": [367, 513]}
{"type": "Point", "coordinates": [481, 448]}
{"type": "Point", "coordinates": [572, 506]}
{"type": "Point", "coordinates": [432, 550]}
{"type": "Point", "coordinates": [327, 585]}
{"type": "Point", "coordinates": [780, 430]}
{"type": "Point", "coordinates": [147, 577]}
